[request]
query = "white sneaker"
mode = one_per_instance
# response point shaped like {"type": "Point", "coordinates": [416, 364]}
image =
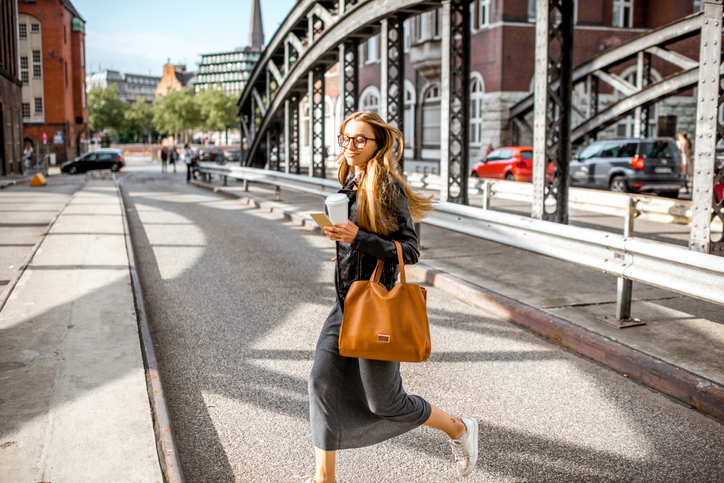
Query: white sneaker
{"type": "Point", "coordinates": [465, 449]}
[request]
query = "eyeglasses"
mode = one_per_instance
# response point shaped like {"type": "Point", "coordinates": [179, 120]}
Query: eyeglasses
{"type": "Point", "coordinates": [359, 141]}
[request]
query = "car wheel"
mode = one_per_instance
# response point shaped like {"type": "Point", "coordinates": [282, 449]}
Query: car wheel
{"type": "Point", "coordinates": [73, 170]}
{"type": "Point", "coordinates": [669, 194]}
{"type": "Point", "coordinates": [115, 167]}
{"type": "Point", "coordinates": [618, 184]}
{"type": "Point", "coordinates": [509, 177]}
{"type": "Point", "coordinates": [474, 174]}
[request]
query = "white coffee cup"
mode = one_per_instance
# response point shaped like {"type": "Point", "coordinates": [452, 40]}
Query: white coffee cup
{"type": "Point", "coordinates": [336, 205]}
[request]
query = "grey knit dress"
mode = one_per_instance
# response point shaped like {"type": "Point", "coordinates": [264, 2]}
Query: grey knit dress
{"type": "Point", "coordinates": [359, 402]}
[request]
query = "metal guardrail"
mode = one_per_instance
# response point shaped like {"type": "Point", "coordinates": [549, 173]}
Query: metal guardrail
{"type": "Point", "coordinates": [669, 267]}
{"type": "Point", "coordinates": [664, 210]}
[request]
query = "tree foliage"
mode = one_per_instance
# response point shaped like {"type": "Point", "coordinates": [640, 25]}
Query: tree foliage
{"type": "Point", "coordinates": [105, 110]}
{"type": "Point", "coordinates": [176, 112]}
{"type": "Point", "coordinates": [218, 110]}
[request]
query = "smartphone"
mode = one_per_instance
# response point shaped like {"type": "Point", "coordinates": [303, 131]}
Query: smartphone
{"type": "Point", "coordinates": [322, 219]}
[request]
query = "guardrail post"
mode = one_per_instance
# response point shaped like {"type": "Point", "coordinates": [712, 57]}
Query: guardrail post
{"type": "Point", "coordinates": [418, 230]}
{"type": "Point", "coordinates": [487, 193]}
{"type": "Point", "coordinates": [624, 287]}
{"type": "Point", "coordinates": [245, 184]}
{"type": "Point", "coordinates": [225, 182]}
{"type": "Point", "coordinates": [277, 194]}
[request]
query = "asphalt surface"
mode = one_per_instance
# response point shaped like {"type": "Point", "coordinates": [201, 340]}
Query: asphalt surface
{"type": "Point", "coordinates": [236, 297]}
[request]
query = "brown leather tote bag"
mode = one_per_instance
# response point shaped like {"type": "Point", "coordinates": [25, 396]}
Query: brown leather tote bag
{"type": "Point", "coordinates": [385, 325]}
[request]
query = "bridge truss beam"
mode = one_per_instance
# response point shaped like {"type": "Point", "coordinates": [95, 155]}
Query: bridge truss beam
{"type": "Point", "coordinates": [553, 92]}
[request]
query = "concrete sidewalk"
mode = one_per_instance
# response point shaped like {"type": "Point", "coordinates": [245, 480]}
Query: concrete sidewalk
{"type": "Point", "coordinates": [680, 351]}
{"type": "Point", "coordinates": [73, 399]}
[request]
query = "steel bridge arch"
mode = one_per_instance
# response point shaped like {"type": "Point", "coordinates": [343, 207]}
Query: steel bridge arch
{"type": "Point", "coordinates": [359, 21]}
{"type": "Point", "coordinates": [652, 43]}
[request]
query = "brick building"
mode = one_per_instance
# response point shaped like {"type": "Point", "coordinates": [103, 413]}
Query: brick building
{"type": "Point", "coordinates": [502, 69]}
{"type": "Point", "coordinates": [10, 91]}
{"type": "Point", "coordinates": [52, 69]}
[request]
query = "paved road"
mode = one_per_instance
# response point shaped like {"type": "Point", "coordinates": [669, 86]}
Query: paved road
{"type": "Point", "coordinates": [236, 298]}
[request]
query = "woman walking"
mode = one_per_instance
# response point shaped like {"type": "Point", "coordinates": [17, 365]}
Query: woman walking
{"type": "Point", "coordinates": [360, 402]}
{"type": "Point", "coordinates": [687, 164]}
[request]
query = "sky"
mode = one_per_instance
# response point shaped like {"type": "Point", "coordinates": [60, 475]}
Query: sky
{"type": "Point", "coordinates": [138, 36]}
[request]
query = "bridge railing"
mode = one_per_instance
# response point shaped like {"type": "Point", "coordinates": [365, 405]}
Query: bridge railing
{"type": "Point", "coordinates": [672, 268]}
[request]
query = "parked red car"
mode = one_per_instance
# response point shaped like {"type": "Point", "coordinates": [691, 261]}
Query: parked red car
{"type": "Point", "coordinates": [514, 163]}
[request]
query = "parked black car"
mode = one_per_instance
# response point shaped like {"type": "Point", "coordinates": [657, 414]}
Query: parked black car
{"type": "Point", "coordinates": [104, 158]}
{"type": "Point", "coordinates": [233, 154]}
{"type": "Point", "coordinates": [630, 165]}
{"type": "Point", "coordinates": [212, 153]}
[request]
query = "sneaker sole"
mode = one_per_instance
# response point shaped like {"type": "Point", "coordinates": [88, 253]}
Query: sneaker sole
{"type": "Point", "coordinates": [474, 459]}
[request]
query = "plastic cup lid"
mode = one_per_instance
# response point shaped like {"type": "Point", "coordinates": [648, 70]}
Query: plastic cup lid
{"type": "Point", "coordinates": [336, 199]}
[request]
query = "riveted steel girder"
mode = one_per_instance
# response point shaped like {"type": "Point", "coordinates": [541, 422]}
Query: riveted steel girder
{"type": "Point", "coordinates": [553, 90]}
{"type": "Point", "coordinates": [708, 171]}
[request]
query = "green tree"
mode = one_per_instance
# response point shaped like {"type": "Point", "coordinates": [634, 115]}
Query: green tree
{"type": "Point", "coordinates": [138, 121]}
{"type": "Point", "coordinates": [176, 112]}
{"type": "Point", "coordinates": [105, 110]}
{"type": "Point", "coordinates": [218, 110]}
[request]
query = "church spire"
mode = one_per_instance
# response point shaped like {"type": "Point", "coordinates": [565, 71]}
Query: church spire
{"type": "Point", "coordinates": [256, 30]}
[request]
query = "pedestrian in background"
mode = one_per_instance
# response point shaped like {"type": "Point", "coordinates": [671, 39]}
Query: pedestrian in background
{"type": "Point", "coordinates": [687, 163]}
{"type": "Point", "coordinates": [189, 160]}
{"type": "Point", "coordinates": [173, 157]}
{"type": "Point", "coordinates": [360, 402]}
{"type": "Point", "coordinates": [164, 159]}
{"type": "Point", "coordinates": [487, 151]}
{"type": "Point", "coordinates": [29, 156]}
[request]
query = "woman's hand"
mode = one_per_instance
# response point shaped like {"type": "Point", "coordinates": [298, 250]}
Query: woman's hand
{"type": "Point", "coordinates": [342, 232]}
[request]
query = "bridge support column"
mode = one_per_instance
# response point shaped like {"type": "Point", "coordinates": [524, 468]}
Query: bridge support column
{"type": "Point", "coordinates": [455, 105]}
{"type": "Point", "coordinates": [317, 149]}
{"type": "Point", "coordinates": [707, 172]}
{"type": "Point", "coordinates": [349, 78]}
{"type": "Point", "coordinates": [393, 76]}
{"type": "Point", "coordinates": [552, 138]}
{"type": "Point", "coordinates": [291, 136]}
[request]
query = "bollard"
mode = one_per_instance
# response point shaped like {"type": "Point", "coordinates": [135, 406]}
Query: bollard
{"type": "Point", "coordinates": [278, 194]}
{"type": "Point", "coordinates": [225, 183]}
{"type": "Point", "coordinates": [246, 184]}
{"type": "Point", "coordinates": [624, 286]}
{"type": "Point", "coordinates": [418, 230]}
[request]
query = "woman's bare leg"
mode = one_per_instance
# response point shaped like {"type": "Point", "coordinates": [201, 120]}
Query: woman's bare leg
{"type": "Point", "coordinates": [325, 465]}
{"type": "Point", "coordinates": [454, 427]}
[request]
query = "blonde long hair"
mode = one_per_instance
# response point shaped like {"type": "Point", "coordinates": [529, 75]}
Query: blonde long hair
{"type": "Point", "coordinates": [376, 195]}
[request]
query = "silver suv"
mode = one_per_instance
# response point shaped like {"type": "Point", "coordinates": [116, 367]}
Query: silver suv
{"type": "Point", "coordinates": [630, 166]}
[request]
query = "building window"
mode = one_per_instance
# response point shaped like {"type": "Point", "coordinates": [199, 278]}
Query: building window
{"type": "Point", "coordinates": [371, 102]}
{"type": "Point", "coordinates": [531, 11]}
{"type": "Point", "coordinates": [372, 49]}
{"type": "Point", "coordinates": [36, 71]}
{"type": "Point", "coordinates": [476, 110]}
{"type": "Point", "coordinates": [437, 23]}
{"type": "Point", "coordinates": [623, 13]}
{"type": "Point", "coordinates": [26, 110]}
{"type": "Point", "coordinates": [406, 33]}
{"type": "Point", "coordinates": [698, 6]}
{"type": "Point", "coordinates": [38, 105]}
{"type": "Point", "coordinates": [23, 62]}
{"type": "Point", "coordinates": [24, 77]}
{"type": "Point", "coordinates": [65, 67]}
{"type": "Point", "coordinates": [65, 37]}
{"type": "Point", "coordinates": [23, 31]}
{"type": "Point", "coordinates": [35, 28]}
{"type": "Point", "coordinates": [484, 10]}
{"type": "Point", "coordinates": [431, 118]}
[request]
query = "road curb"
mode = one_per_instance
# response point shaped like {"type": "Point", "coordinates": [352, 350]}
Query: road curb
{"type": "Point", "coordinates": [676, 382]}
{"type": "Point", "coordinates": [5, 295]}
{"type": "Point", "coordinates": [5, 183]}
{"type": "Point", "coordinates": [165, 441]}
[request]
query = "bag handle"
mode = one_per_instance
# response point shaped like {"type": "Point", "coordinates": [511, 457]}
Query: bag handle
{"type": "Point", "coordinates": [380, 265]}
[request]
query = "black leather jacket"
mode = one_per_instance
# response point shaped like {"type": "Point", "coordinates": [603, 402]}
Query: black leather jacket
{"type": "Point", "coordinates": [357, 261]}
